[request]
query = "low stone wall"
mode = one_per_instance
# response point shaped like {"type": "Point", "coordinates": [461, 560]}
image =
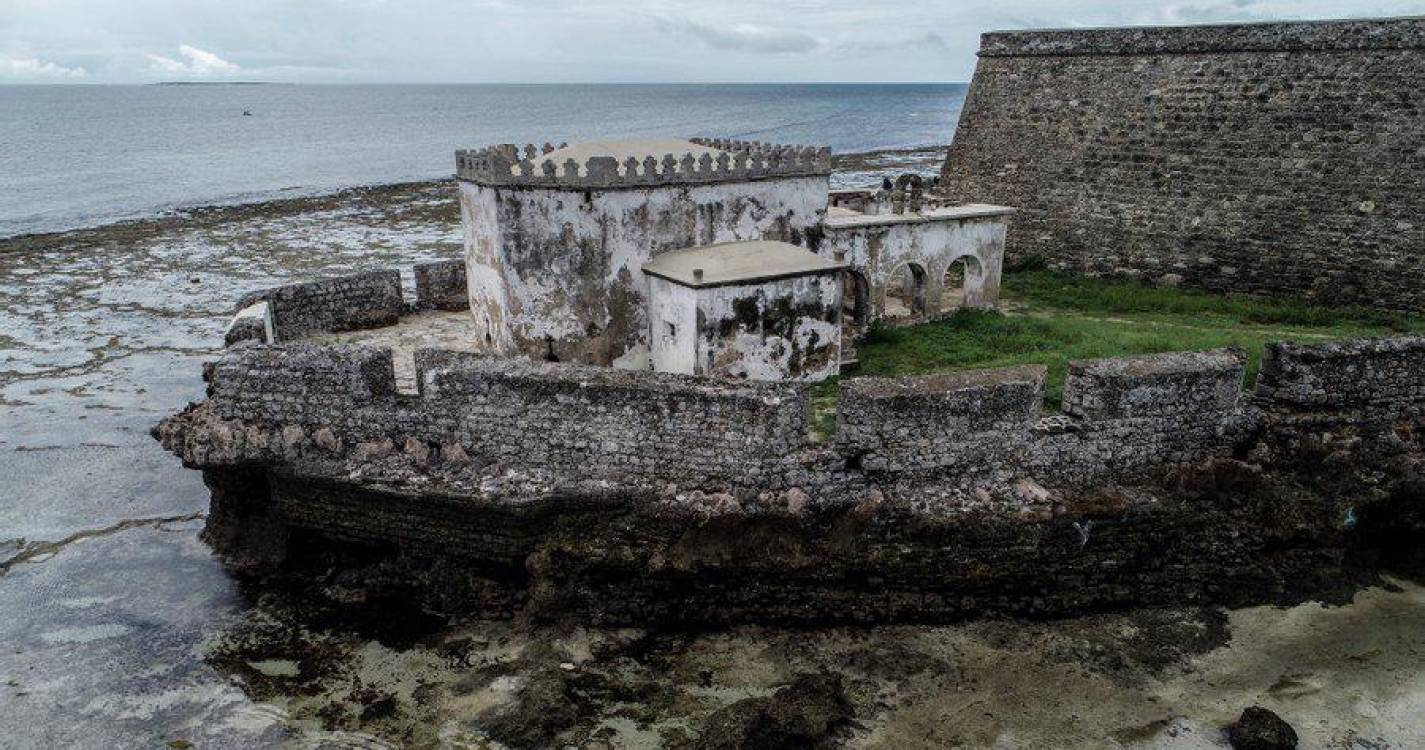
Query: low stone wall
{"type": "Point", "coordinates": [346, 303]}
{"type": "Point", "coordinates": [302, 384]}
{"type": "Point", "coordinates": [968, 421]}
{"type": "Point", "coordinates": [1135, 413]}
{"type": "Point", "coordinates": [978, 428]}
{"type": "Point", "coordinates": [1161, 385]}
{"type": "Point", "coordinates": [1371, 378]}
{"type": "Point", "coordinates": [440, 285]}
{"type": "Point", "coordinates": [941, 438]}
{"type": "Point", "coordinates": [568, 421]}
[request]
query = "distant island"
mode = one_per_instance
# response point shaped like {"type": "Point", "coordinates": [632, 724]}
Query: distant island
{"type": "Point", "coordinates": [216, 83]}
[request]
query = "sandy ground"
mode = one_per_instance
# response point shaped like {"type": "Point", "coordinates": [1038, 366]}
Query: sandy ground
{"type": "Point", "coordinates": [118, 629]}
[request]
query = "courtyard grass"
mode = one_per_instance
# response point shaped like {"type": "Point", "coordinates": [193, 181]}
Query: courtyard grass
{"type": "Point", "coordinates": [1052, 319]}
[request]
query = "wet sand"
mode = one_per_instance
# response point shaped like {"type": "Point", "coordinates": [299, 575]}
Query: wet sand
{"type": "Point", "coordinates": [120, 630]}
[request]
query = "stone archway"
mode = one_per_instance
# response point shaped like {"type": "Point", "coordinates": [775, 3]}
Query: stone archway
{"type": "Point", "coordinates": [905, 292]}
{"type": "Point", "coordinates": [960, 277]}
{"type": "Point", "coordinates": [855, 301]}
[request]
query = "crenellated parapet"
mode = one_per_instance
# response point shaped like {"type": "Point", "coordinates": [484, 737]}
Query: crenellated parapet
{"type": "Point", "coordinates": [507, 165]}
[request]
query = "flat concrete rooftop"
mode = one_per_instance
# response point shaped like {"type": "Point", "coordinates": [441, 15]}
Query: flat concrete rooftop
{"type": "Point", "coordinates": [738, 263]}
{"type": "Point", "coordinates": [839, 217]}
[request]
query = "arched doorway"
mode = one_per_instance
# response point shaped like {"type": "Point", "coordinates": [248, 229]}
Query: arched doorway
{"type": "Point", "coordinates": [855, 302]}
{"type": "Point", "coordinates": [905, 292]}
{"type": "Point", "coordinates": [954, 283]}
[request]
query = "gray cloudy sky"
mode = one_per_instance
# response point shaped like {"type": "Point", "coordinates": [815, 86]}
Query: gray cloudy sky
{"type": "Point", "coordinates": [123, 41]}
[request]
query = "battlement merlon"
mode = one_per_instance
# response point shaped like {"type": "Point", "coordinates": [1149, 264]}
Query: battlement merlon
{"type": "Point", "coordinates": [635, 164]}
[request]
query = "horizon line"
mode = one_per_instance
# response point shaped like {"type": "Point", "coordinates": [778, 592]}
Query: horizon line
{"type": "Point", "coordinates": [481, 83]}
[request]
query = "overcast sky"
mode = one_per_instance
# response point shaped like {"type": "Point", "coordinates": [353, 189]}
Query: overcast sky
{"type": "Point", "coordinates": [351, 41]}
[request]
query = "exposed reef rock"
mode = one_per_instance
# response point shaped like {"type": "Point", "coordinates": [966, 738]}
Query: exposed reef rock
{"type": "Point", "coordinates": [804, 714]}
{"type": "Point", "coordinates": [1260, 729]}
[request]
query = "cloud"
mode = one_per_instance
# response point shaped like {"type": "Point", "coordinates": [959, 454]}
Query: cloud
{"type": "Point", "coordinates": [744, 37]}
{"type": "Point", "coordinates": [32, 67]}
{"type": "Point", "coordinates": [930, 41]}
{"type": "Point", "coordinates": [200, 63]}
{"type": "Point", "coordinates": [1232, 10]}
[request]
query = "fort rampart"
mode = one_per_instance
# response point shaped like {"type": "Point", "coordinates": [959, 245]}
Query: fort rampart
{"type": "Point", "coordinates": [1279, 158]}
{"type": "Point", "coordinates": [623, 496]}
{"type": "Point", "coordinates": [937, 437]}
{"type": "Point", "coordinates": [570, 422]}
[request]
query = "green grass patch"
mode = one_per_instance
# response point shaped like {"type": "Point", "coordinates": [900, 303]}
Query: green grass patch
{"type": "Point", "coordinates": [1052, 319]}
{"type": "Point", "coordinates": [1084, 294]}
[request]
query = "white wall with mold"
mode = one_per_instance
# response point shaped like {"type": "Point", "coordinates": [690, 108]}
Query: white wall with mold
{"type": "Point", "coordinates": [673, 326]}
{"type": "Point", "coordinates": [771, 345]}
{"type": "Point", "coordinates": [484, 269]}
{"type": "Point", "coordinates": [880, 250]}
{"type": "Point", "coordinates": [570, 261]}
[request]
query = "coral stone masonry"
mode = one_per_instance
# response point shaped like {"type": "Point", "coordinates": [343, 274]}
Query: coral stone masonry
{"type": "Point", "coordinates": [1277, 158]}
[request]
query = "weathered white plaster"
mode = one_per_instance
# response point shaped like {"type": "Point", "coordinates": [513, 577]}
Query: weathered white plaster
{"type": "Point", "coordinates": [569, 261]}
{"type": "Point", "coordinates": [675, 305]}
{"type": "Point", "coordinates": [795, 333]}
{"type": "Point", "coordinates": [484, 277]}
{"type": "Point", "coordinates": [880, 246]}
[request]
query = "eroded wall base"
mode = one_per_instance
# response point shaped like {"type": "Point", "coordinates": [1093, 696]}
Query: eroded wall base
{"type": "Point", "coordinates": [1224, 532]}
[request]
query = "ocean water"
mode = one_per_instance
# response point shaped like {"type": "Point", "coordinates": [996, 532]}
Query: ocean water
{"type": "Point", "coordinates": [75, 156]}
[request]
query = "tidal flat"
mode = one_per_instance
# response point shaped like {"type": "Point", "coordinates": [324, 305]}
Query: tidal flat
{"type": "Point", "coordinates": [119, 628]}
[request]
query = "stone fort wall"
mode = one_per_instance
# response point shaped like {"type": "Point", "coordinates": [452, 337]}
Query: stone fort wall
{"type": "Point", "coordinates": [571, 422]}
{"type": "Point", "coordinates": [1281, 158]}
{"type": "Point", "coordinates": [936, 438]}
{"type": "Point", "coordinates": [948, 441]}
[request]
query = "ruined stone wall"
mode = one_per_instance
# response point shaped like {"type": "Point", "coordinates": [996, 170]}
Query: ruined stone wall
{"type": "Point", "coordinates": [973, 423]}
{"type": "Point", "coordinates": [440, 285]}
{"type": "Point", "coordinates": [559, 271]}
{"type": "Point", "coordinates": [1281, 158]}
{"type": "Point", "coordinates": [570, 422]}
{"type": "Point", "coordinates": [1366, 379]}
{"type": "Point", "coordinates": [1128, 414]}
{"type": "Point", "coordinates": [942, 441]}
{"type": "Point", "coordinates": [938, 435]}
{"type": "Point", "coordinates": [935, 439]}
{"type": "Point", "coordinates": [347, 303]}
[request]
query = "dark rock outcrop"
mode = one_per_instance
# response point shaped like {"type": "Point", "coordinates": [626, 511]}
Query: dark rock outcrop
{"type": "Point", "coordinates": [804, 714]}
{"type": "Point", "coordinates": [1260, 729]}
